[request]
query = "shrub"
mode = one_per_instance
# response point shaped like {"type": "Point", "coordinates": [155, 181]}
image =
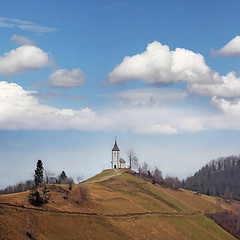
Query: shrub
{"type": "Point", "coordinates": [38, 199]}
{"type": "Point", "coordinates": [172, 182]}
{"type": "Point", "coordinates": [70, 183]}
{"type": "Point", "coordinates": [80, 194]}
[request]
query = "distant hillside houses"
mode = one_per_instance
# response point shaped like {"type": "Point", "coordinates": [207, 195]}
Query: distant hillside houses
{"type": "Point", "coordinates": [117, 162]}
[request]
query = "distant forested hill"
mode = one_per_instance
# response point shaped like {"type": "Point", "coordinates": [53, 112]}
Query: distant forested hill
{"type": "Point", "coordinates": [219, 177]}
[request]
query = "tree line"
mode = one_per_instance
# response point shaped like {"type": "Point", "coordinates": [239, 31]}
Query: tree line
{"type": "Point", "coordinates": [227, 220]}
{"type": "Point", "coordinates": [44, 176]}
{"type": "Point", "coordinates": [151, 174]}
{"type": "Point", "coordinates": [220, 177]}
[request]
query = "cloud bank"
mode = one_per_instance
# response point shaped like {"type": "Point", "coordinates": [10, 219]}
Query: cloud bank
{"type": "Point", "coordinates": [19, 109]}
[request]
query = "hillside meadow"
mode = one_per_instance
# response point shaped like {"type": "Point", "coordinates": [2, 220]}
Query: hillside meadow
{"type": "Point", "coordinates": [118, 206]}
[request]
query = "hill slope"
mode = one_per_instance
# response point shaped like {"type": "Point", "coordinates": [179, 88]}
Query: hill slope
{"type": "Point", "coordinates": [119, 206]}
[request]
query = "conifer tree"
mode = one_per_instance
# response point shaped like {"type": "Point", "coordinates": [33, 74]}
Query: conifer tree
{"type": "Point", "coordinates": [38, 176]}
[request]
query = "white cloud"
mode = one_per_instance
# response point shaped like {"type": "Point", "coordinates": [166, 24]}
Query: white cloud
{"type": "Point", "coordinates": [63, 78]}
{"type": "Point", "coordinates": [24, 25]}
{"type": "Point", "coordinates": [228, 107]}
{"type": "Point", "coordinates": [21, 40]}
{"type": "Point", "coordinates": [22, 59]}
{"type": "Point", "coordinates": [228, 87]}
{"type": "Point", "coordinates": [19, 109]}
{"type": "Point", "coordinates": [231, 49]}
{"type": "Point", "coordinates": [160, 65]}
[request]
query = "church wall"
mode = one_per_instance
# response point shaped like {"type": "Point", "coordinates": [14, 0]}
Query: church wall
{"type": "Point", "coordinates": [122, 165]}
{"type": "Point", "coordinates": [115, 159]}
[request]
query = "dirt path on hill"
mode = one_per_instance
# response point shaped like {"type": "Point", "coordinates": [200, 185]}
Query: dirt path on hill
{"type": "Point", "coordinates": [107, 177]}
{"type": "Point", "coordinates": [22, 208]}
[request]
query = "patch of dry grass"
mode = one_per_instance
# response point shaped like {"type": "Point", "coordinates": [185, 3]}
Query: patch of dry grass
{"type": "Point", "coordinates": [108, 201]}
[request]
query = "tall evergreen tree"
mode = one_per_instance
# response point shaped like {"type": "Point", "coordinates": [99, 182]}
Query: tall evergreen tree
{"type": "Point", "coordinates": [38, 176]}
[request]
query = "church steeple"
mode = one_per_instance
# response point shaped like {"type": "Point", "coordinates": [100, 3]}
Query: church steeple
{"type": "Point", "coordinates": [115, 147]}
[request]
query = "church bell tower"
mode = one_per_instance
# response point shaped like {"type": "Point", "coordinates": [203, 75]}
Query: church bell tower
{"type": "Point", "coordinates": [115, 156]}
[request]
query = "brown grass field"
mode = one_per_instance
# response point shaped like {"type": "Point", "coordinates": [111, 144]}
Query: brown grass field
{"type": "Point", "coordinates": [119, 206]}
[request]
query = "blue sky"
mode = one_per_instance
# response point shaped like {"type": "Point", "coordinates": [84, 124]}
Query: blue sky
{"type": "Point", "coordinates": [162, 76]}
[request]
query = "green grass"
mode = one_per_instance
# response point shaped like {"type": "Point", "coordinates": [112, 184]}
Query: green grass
{"type": "Point", "coordinates": [196, 227]}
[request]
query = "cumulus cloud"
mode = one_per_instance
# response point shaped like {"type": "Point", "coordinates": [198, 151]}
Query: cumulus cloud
{"type": "Point", "coordinates": [229, 107]}
{"type": "Point", "coordinates": [227, 87]}
{"type": "Point", "coordinates": [24, 25]}
{"type": "Point", "coordinates": [231, 49]}
{"type": "Point", "coordinates": [160, 65]}
{"type": "Point", "coordinates": [21, 40]}
{"type": "Point", "coordinates": [63, 78]}
{"type": "Point", "coordinates": [22, 59]}
{"type": "Point", "coordinates": [19, 109]}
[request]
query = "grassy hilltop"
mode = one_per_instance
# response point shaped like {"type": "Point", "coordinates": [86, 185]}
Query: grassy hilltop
{"type": "Point", "coordinates": [119, 206]}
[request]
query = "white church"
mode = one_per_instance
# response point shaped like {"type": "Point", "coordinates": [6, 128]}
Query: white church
{"type": "Point", "coordinates": [117, 162]}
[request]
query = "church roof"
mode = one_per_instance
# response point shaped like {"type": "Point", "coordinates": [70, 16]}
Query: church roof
{"type": "Point", "coordinates": [122, 160]}
{"type": "Point", "coordinates": [115, 148]}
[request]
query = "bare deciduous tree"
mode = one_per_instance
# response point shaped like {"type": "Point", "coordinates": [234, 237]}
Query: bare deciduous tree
{"type": "Point", "coordinates": [172, 182]}
{"type": "Point", "coordinates": [132, 158]}
{"type": "Point", "coordinates": [227, 195]}
{"type": "Point", "coordinates": [79, 179]}
{"type": "Point", "coordinates": [144, 170]}
{"type": "Point", "coordinates": [157, 176]}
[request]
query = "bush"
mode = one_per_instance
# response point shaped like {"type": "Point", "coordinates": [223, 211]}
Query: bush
{"type": "Point", "coordinates": [172, 182]}
{"type": "Point", "coordinates": [38, 199]}
{"type": "Point", "coordinates": [70, 183]}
